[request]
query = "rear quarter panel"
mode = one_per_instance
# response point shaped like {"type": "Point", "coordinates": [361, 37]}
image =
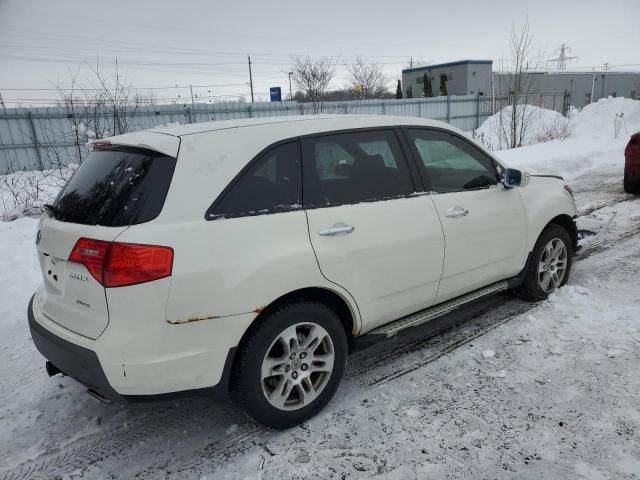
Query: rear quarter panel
{"type": "Point", "coordinates": [235, 266]}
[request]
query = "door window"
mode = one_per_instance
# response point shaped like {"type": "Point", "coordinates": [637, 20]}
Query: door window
{"type": "Point", "coordinates": [451, 163]}
{"type": "Point", "coordinates": [270, 185]}
{"type": "Point", "coordinates": [355, 167]}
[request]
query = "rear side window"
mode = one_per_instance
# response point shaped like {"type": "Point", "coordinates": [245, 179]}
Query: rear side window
{"type": "Point", "coordinates": [450, 163]}
{"type": "Point", "coordinates": [355, 167]}
{"type": "Point", "coordinates": [271, 184]}
{"type": "Point", "coordinates": [116, 187]}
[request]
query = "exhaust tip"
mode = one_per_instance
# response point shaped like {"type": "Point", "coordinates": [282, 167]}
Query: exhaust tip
{"type": "Point", "coordinates": [100, 397]}
{"type": "Point", "coordinates": [52, 370]}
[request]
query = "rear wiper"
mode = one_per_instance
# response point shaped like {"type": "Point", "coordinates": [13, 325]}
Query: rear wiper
{"type": "Point", "coordinates": [51, 209]}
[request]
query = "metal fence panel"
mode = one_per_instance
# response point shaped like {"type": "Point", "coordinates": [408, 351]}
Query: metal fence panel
{"type": "Point", "coordinates": [43, 137]}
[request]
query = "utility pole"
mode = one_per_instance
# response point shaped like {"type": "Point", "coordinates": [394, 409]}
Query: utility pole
{"type": "Point", "coordinates": [193, 106]}
{"type": "Point", "coordinates": [563, 58]}
{"type": "Point", "coordinates": [250, 77]}
{"type": "Point", "coordinates": [290, 92]}
{"type": "Point", "coordinates": [593, 84]}
{"type": "Point", "coordinates": [410, 62]}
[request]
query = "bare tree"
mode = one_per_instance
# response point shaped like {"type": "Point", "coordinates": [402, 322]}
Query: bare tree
{"type": "Point", "coordinates": [518, 77]}
{"type": "Point", "coordinates": [368, 79]}
{"type": "Point", "coordinates": [313, 77]}
{"type": "Point", "coordinates": [96, 107]}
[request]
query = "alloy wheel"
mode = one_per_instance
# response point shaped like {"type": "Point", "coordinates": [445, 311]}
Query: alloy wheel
{"type": "Point", "coordinates": [297, 366]}
{"type": "Point", "coordinates": [553, 265]}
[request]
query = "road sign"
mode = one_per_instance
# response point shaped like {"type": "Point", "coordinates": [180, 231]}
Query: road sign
{"type": "Point", "coordinates": [276, 94]}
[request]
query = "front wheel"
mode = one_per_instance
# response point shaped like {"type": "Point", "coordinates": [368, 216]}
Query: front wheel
{"type": "Point", "coordinates": [550, 264]}
{"type": "Point", "coordinates": [290, 366]}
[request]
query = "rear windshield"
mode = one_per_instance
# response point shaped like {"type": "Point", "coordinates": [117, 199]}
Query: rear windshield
{"type": "Point", "coordinates": [116, 187]}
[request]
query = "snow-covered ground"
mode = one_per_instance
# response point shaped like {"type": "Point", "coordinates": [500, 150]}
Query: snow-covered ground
{"type": "Point", "coordinates": [531, 391]}
{"type": "Point", "coordinates": [513, 390]}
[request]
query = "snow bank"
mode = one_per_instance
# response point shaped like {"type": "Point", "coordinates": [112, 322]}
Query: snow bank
{"type": "Point", "coordinates": [539, 124]}
{"type": "Point", "coordinates": [598, 135]}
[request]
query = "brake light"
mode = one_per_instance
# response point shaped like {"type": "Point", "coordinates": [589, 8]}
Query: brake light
{"type": "Point", "coordinates": [115, 264]}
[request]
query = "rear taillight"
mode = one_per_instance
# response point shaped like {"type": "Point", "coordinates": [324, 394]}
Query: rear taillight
{"type": "Point", "coordinates": [120, 264]}
{"type": "Point", "coordinates": [91, 254]}
{"type": "Point", "coordinates": [130, 263]}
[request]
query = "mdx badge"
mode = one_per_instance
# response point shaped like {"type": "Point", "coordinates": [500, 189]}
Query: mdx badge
{"type": "Point", "coordinates": [79, 276]}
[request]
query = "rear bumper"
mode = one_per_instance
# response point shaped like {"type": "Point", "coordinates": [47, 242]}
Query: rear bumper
{"type": "Point", "coordinates": [83, 365]}
{"type": "Point", "coordinates": [72, 360]}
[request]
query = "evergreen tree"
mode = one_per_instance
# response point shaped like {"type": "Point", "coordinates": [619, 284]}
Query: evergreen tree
{"type": "Point", "coordinates": [428, 91]}
{"type": "Point", "coordinates": [399, 91]}
{"type": "Point", "coordinates": [425, 79]}
{"type": "Point", "coordinates": [443, 84]}
{"type": "Point", "coordinates": [409, 92]}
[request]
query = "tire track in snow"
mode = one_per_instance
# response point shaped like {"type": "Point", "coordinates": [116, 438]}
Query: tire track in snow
{"type": "Point", "coordinates": [164, 421]}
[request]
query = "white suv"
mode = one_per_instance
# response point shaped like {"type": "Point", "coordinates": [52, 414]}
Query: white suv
{"type": "Point", "coordinates": [249, 255]}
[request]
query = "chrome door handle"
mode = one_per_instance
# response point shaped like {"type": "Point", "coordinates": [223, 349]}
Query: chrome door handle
{"type": "Point", "coordinates": [456, 212]}
{"type": "Point", "coordinates": [336, 229]}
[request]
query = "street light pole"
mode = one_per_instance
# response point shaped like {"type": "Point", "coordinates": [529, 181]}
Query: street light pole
{"type": "Point", "coordinates": [290, 94]}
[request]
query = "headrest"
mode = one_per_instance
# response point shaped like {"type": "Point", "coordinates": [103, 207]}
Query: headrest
{"type": "Point", "coordinates": [370, 163]}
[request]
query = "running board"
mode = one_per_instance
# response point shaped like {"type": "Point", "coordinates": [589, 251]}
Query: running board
{"type": "Point", "coordinates": [430, 313]}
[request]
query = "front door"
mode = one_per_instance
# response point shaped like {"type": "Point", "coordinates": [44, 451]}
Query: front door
{"type": "Point", "coordinates": [370, 235]}
{"type": "Point", "coordinates": [483, 222]}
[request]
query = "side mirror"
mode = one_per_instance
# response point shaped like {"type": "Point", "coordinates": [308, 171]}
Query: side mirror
{"type": "Point", "coordinates": [515, 178]}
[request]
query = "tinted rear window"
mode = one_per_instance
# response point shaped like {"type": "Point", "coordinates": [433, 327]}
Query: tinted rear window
{"type": "Point", "coordinates": [115, 188]}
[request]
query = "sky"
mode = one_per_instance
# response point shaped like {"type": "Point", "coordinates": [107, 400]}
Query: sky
{"type": "Point", "coordinates": [163, 47]}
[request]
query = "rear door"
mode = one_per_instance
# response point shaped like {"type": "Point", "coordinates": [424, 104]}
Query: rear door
{"type": "Point", "coordinates": [111, 190]}
{"type": "Point", "coordinates": [483, 222]}
{"type": "Point", "coordinates": [371, 235]}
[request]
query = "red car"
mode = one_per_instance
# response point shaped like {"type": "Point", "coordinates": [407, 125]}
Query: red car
{"type": "Point", "coordinates": [632, 165]}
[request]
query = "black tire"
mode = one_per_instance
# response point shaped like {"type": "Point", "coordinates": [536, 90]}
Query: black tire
{"type": "Point", "coordinates": [631, 186]}
{"type": "Point", "coordinates": [247, 386]}
{"type": "Point", "coordinates": [530, 289]}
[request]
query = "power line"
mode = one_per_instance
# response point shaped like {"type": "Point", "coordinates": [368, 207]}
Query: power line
{"type": "Point", "coordinates": [132, 88]}
{"type": "Point", "coordinates": [297, 39]}
{"type": "Point", "coordinates": [164, 49]}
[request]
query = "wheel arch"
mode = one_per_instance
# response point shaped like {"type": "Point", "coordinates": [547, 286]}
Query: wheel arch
{"type": "Point", "coordinates": [332, 299]}
{"type": "Point", "coordinates": [568, 223]}
{"type": "Point", "coordinates": [328, 297]}
{"type": "Point", "coordinates": [563, 220]}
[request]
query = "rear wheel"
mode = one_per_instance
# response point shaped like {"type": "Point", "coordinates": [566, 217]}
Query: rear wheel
{"type": "Point", "coordinates": [550, 264]}
{"type": "Point", "coordinates": [290, 366]}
